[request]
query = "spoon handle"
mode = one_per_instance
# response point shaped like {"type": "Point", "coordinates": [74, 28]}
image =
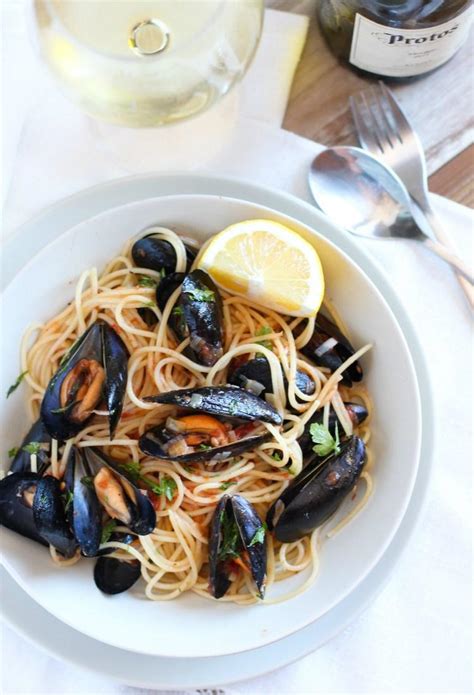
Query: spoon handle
{"type": "Point", "coordinates": [450, 258]}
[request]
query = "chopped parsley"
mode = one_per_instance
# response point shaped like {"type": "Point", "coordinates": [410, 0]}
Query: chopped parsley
{"type": "Point", "coordinates": [68, 498]}
{"type": "Point", "coordinates": [18, 381]}
{"type": "Point", "coordinates": [227, 484]}
{"type": "Point", "coordinates": [146, 281]}
{"type": "Point", "coordinates": [162, 273]}
{"type": "Point", "coordinates": [205, 295]}
{"type": "Point", "coordinates": [65, 409]}
{"type": "Point", "coordinates": [166, 487]}
{"type": "Point", "coordinates": [32, 448]}
{"type": "Point", "coordinates": [178, 311]}
{"type": "Point", "coordinates": [107, 530]}
{"type": "Point", "coordinates": [324, 442]}
{"type": "Point", "coordinates": [230, 537]}
{"type": "Point", "coordinates": [276, 456]}
{"type": "Point", "coordinates": [12, 452]}
{"type": "Point", "coordinates": [88, 481]}
{"type": "Point", "coordinates": [149, 304]}
{"type": "Point", "coordinates": [264, 330]}
{"type": "Point", "coordinates": [205, 447]}
{"type": "Point", "coordinates": [259, 536]}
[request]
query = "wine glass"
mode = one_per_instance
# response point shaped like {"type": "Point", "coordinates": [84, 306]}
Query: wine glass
{"type": "Point", "coordinates": [146, 63]}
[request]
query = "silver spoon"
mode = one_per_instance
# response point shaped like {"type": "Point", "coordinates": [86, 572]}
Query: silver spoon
{"type": "Point", "coordinates": [362, 195]}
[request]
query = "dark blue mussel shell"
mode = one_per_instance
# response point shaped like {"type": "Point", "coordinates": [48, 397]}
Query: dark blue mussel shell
{"type": "Point", "coordinates": [99, 344]}
{"type": "Point", "coordinates": [114, 576]}
{"type": "Point", "coordinates": [85, 511]}
{"type": "Point", "coordinates": [203, 313]}
{"type": "Point", "coordinates": [17, 492]}
{"type": "Point", "coordinates": [259, 370]}
{"type": "Point", "coordinates": [330, 348]}
{"type": "Point", "coordinates": [50, 518]}
{"type": "Point", "coordinates": [221, 401]}
{"type": "Point", "coordinates": [236, 510]}
{"type": "Point", "coordinates": [158, 254]}
{"type": "Point", "coordinates": [317, 492]}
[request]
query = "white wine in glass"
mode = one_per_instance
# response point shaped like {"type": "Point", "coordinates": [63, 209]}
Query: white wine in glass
{"type": "Point", "coordinates": [147, 62]}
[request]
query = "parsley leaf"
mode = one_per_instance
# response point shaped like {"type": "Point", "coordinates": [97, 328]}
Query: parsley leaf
{"type": "Point", "coordinates": [169, 486]}
{"type": "Point", "coordinates": [204, 447]}
{"type": "Point", "coordinates": [14, 386]}
{"type": "Point", "coordinates": [230, 537]}
{"type": "Point", "coordinates": [32, 448]}
{"type": "Point", "coordinates": [162, 273]}
{"type": "Point", "coordinates": [68, 498]}
{"type": "Point", "coordinates": [146, 281]}
{"type": "Point", "coordinates": [259, 536]}
{"type": "Point", "coordinates": [12, 452]}
{"type": "Point", "coordinates": [150, 304]}
{"type": "Point", "coordinates": [132, 468]}
{"type": "Point", "coordinates": [276, 456]}
{"type": "Point", "coordinates": [264, 330]}
{"type": "Point", "coordinates": [88, 481]}
{"type": "Point", "coordinates": [107, 530]}
{"type": "Point", "coordinates": [324, 442]}
{"type": "Point", "coordinates": [227, 484]}
{"type": "Point", "coordinates": [202, 295]}
{"type": "Point", "coordinates": [166, 488]}
{"type": "Point", "coordinates": [178, 311]}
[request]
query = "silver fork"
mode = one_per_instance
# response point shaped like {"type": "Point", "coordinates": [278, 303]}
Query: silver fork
{"type": "Point", "coordinates": [385, 132]}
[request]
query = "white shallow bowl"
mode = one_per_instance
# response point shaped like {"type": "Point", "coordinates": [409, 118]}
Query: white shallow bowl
{"type": "Point", "coordinates": [192, 626]}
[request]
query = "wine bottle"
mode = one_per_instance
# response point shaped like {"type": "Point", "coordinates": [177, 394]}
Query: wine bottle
{"type": "Point", "coordinates": [391, 38]}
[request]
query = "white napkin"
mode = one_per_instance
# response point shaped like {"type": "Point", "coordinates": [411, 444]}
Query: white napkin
{"type": "Point", "coordinates": [415, 637]}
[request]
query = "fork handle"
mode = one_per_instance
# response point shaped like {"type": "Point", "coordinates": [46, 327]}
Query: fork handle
{"type": "Point", "coordinates": [451, 258]}
{"type": "Point", "coordinates": [440, 233]}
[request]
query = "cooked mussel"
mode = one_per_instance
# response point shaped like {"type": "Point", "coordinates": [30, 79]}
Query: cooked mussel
{"type": "Point", "coordinates": [329, 348]}
{"type": "Point", "coordinates": [317, 492]}
{"type": "Point", "coordinates": [203, 314]}
{"type": "Point", "coordinates": [114, 576]}
{"type": "Point", "coordinates": [155, 253]}
{"type": "Point", "coordinates": [119, 494]}
{"type": "Point", "coordinates": [221, 401]}
{"type": "Point", "coordinates": [236, 538]}
{"type": "Point", "coordinates": [85, 510]}
{"type": "Point", "coordinates": [50, 518]}
{"type": "Point", "coordinates": [38, 438]}
{"type": "Point", "coordinates": [255, 375]}
{"type": "Point", "coordinates": [95, 369]}
{"type": "Point", "coordinates": [17, 492]}
{"type": "Point", "coordinates": [357, 413]}
{"type": "Point", "coordinates": [194, 438]}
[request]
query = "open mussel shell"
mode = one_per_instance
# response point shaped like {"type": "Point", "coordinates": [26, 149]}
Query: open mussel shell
{"type": "Point", "coordinates": [17, 492]}
{"type": "Point", "coordinates": [85, 511]}
{"type": "Point", "coordinates": [330, 348]}
{"type": "Point", "coordinates": [236, 510]}
{"type": "Point", "coordinates": [203, 314]}
{"type": "Point", "coordinates": [255, 375]}
{"type": "Point", "coordinates": [96, 370]}
{"type": "Point", "coordinates": [316, 493]}
{"type": "Point", "coordinates": [153, 444]}
{"type": "Point", "coordinates": [155, 253]}
{"type": "Point", "coordinates": [221, 401]}
{"type": "Point", "coordinates": [114, 576]}
{"type": "Point", "coordinates": [37, 434]}
{"type": "Point", "coordinates": [357, 413]}
{"type": "Point", "coordinates": [140, 515]}
{"type": "Point", "coordinates": [50, 518]}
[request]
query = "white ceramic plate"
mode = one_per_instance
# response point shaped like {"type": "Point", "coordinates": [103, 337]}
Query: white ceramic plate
{"type": "Point", "coordinates": [212, 628]}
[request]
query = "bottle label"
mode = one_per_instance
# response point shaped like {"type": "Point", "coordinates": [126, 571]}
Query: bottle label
{"type": "Point", "coordinates": [405, 52]}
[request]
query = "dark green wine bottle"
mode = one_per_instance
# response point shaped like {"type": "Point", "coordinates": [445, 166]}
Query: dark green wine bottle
{"type": "Point", "coordinates": [396, 39]}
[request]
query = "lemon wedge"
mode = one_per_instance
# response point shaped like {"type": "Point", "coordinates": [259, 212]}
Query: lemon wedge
{"type": "Point", "coordinates": [269, 263]}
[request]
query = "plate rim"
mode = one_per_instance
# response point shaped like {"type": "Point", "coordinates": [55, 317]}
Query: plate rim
{"type": "Point", "coordinates": [248, 192]}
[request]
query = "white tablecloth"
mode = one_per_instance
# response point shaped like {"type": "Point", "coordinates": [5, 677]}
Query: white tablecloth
{"type": "Point", "coordinates": [416, 636]}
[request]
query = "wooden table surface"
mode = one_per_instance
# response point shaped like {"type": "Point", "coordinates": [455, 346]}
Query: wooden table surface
{"type": "Point", "coordinates": [440, 107]}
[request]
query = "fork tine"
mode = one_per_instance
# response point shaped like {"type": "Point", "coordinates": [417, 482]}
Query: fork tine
{"type": "Point", "coordinates": [402, 124]}
{"type": "Point", "coordinates": [385, 136]}
{"type": "Point", "coordinates": [364, 124]}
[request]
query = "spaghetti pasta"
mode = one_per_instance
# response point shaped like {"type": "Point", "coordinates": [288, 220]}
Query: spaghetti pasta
{"type": "Point", "coordinates": [173, 557]}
